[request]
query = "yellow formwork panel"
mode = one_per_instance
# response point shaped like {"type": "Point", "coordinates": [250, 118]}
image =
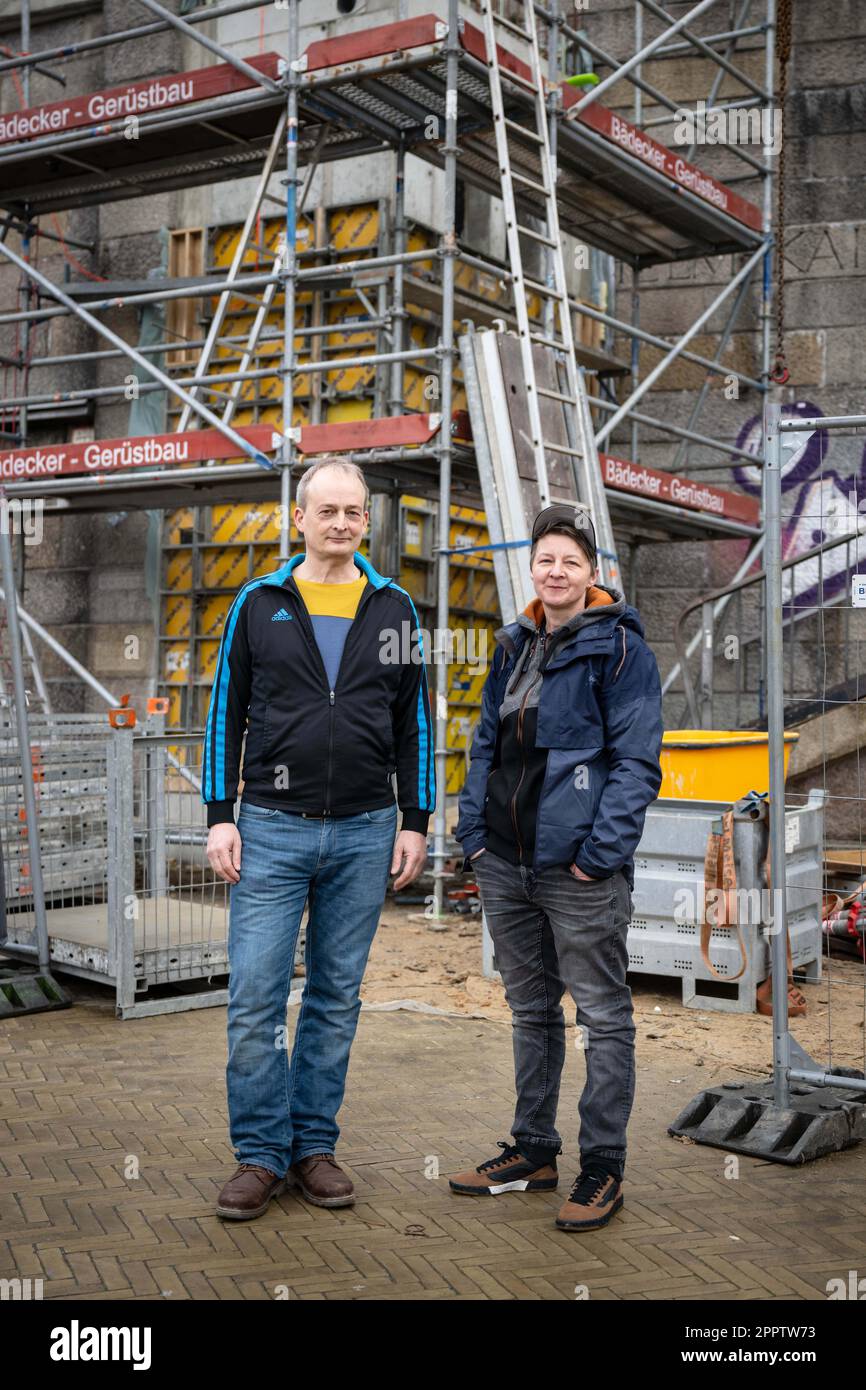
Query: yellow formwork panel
{"type": "Point", "coordinates": [212, 614]}
{"type": "Point", "coordinates": [175, 663]}
{"type": "Point", "coordinates": [418, 528]}
{"type": "Point", "coordinates": [455, 774]}
{"type": "Point", "coordinates": [178, 571]}
{"type": "Point", "coordinates": [348, 334]}
{"type": "Point", "coordinates": [485, 596]}
{"type": "Point", "coordinates": [256, 524]}
{"type": "Point", "coordinates": [337, 411]}
{"type": "Point", "coordinates": [417, 240]}
{"type": "Point", "coordinates": [224, 567]}
{"type": "Point", "coordinates": [350, 380]}
{"type": "Point", "coordinates": [472, 645]}
{"type": "Point", "coordinates": [267, 557]}
{"type": "Point", "coordinates": [176, 522]}
{"type": "Point", "coordinates": [468, 527]}
{"type": "Point", "coordinates": [208, 652]}
{"type": "Point", "coordinates": [422, 317]}
{"type": "Point", "coordinates": [268, 232]}
{"type": "Point", "coordinates": [229, 354]}
{"type": "Point", "coordinates": [479, 282]}
{"type": "Point", "coordinates": [354, 228]}
{"type": "Point", "coordinates": [414, 580]}
{"type": "Point", "coordinates": [270, 388]}
{"type": "Point", "coordinates": [174, 717]}
{"type": "Point", "coordinates": [458, 587]}
{"type": "Point", "coordinates": [420, 391]}
{"type": "Point", "coordinates": [230, 524]}
{"type": "Point", "coordinates": [473, 677]}
{"type": "Point", "coordinates": [273, 415]}
{"type": "Point", "coordinates": [178, 609]}
{"type": "Point", "coordinates": [266, 353]}
{"type": "Point", "coordinates": [460, 728]}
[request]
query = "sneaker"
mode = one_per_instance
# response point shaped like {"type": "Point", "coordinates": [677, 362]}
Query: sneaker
{"type": "Point", "coordinates": [322, 1181]}
{"type": "Point", "coordinates": [595, 1197]}
{"type": "Point", "coordinates": [510, 1172]}
{"type": "Point", "coordinates": [248, 1192]}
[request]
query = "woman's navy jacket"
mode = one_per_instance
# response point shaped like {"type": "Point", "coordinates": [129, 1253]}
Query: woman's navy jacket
{"type": "Point", "coordinates": [599, 717]}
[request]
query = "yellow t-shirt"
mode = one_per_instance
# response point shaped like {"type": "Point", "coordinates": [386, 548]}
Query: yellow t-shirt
{"type": "Point", "coordinates": [332, 608]}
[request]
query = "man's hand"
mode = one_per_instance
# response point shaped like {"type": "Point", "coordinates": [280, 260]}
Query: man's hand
{"type": "Point", "coordinates": [224, 851]}
{"type": "Point", "coordinates": [578, 873]}
{"type": "Point", "coordinates": [410, 851]}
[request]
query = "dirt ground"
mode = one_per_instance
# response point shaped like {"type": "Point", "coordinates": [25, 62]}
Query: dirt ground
{"type": "Point", "coordinates": [441, 968]}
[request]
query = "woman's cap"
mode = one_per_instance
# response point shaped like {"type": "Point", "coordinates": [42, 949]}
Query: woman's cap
{"type": "Point", "coordinates": [573, 515]}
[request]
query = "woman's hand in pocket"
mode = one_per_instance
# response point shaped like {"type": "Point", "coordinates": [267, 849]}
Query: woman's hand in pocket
{"type": "Point", "coordinates": [578, 873]}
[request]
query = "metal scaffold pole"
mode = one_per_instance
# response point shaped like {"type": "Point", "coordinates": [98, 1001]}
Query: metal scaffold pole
{"type": "Point", "coordinates": [289, 277]}
{"type": "Point", "coordinates": [441, 642]}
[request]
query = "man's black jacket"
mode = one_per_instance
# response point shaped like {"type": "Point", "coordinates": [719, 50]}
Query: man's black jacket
{"type": "Point", "coordinates": [309, 747]}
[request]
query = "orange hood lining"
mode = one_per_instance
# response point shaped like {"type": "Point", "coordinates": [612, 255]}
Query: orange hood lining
{"type": "Point", "coordinates": [595, 598]}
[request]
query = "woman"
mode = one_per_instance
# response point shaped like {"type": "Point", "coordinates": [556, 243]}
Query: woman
{"type": "Point", "coordinates": [565, 761]}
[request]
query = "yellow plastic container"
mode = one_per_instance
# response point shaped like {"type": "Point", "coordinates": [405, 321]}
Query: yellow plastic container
{"type": "Point", "coordinates": [717, 764]}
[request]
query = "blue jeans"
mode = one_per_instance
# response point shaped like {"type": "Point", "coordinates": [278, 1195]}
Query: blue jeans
{"type": "Point", "coordinates": [553, 932]}
{"type": "Point", "coordinates": [281, 1112]}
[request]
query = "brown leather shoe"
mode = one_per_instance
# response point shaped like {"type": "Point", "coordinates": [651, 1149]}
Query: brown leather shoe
{"type": "Point", "coordinates": [322, 1181]}
{"type": "Point", "coordinates": [594, 1199]}
{"type": "Point", "coordinates": [248, 1192]}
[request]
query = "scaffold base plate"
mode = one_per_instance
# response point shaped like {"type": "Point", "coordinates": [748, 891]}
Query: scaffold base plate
{"type": "Point", "coordinates": [743, 1118]}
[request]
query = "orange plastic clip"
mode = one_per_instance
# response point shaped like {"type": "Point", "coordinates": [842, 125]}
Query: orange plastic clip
{"type": "Point", "coordinates": [124, 717]}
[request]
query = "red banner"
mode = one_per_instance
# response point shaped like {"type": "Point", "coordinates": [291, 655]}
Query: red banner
{"type": "Point", "coordinates": [389, 432]}
{"type": "Point", "coordinates": [103, 456]}
{"type": "Point", "coordinates": [159, 450]}
{"type": "Point", "coordinates": [97, 109]}
{"type": "Point", "coordinates": [382, 39]}
{"type": "Point", "coordinates": [679, 491]}
{"type": "Point", "coordinates": [631, 138]}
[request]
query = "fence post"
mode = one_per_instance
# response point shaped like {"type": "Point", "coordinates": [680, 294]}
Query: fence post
{"type": "Point", "coordinates": [123, 904]}
{"type": "Point", "coordinates": [776, 731]}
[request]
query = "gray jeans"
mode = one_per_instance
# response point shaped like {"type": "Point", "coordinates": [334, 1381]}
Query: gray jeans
{"type": "Point", "coordinates": [551, 933]}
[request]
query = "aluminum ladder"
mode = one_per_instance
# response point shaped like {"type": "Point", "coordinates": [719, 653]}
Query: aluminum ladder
{"type": "Point", "coordinates": [581, 448]}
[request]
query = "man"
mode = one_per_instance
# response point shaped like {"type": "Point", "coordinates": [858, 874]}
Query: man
{"type": "Point", "coordinates": [565, 761]}
{"type": "Point", "coordinates": [307, 661]}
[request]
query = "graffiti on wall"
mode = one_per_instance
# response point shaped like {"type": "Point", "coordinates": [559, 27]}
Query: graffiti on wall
{"type": "Point", "coordinates": [823, 495]}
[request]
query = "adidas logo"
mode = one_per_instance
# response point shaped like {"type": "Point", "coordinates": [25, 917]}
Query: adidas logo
{"type": "Point", "coordinates": [282, 617]}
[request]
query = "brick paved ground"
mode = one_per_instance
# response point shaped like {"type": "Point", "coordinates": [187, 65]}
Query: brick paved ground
{"type": "Point", "coordinates": [83, 1096]}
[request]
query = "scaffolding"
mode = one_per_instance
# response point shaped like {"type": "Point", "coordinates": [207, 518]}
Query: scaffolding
{"type": "Point", "coordinates": [421, 86]}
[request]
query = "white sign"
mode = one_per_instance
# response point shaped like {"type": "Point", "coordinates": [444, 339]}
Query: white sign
{"type": "Point", "coordinates": [858, 590]}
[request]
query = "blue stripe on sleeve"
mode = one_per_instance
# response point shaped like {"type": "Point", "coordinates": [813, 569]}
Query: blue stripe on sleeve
{"type": "Point", "coordinates": [424, 753]}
